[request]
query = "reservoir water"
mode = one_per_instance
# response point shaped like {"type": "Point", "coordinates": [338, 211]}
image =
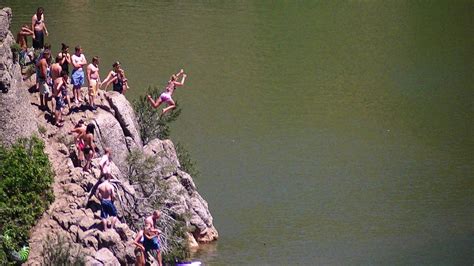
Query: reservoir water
{"type": "Point", "coordinates": [326, 132]}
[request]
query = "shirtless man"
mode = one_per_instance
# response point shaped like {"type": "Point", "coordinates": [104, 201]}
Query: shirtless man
{"type": "Point", "coordinates": [43, 79]}
{"type": "Point", "coordinates": [168, 93]}
{"type": "Point", "coordinates": [39, 28]}
{"type": "Point", "coordinates": [150, 240]}
{"type": "Point", "coordinates": [77, 78]}
{"type": "Point", "coordinates": [93, 79]}
{"type": "Point", "coordinates": [106, 195]}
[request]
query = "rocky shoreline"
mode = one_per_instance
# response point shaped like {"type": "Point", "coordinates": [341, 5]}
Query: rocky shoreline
{"type": "Point", "coordinates": [74, 215]}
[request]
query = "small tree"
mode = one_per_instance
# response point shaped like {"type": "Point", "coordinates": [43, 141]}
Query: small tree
{"type": "Point", "coordinates": [151, 123]}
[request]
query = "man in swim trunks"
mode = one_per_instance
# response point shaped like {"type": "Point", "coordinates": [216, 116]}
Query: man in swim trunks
{"type": "Point", "coordinates": [106, 195]}
{"type": "Point", "coordinates": [93, 79]}
{"type": "Point", "coordinates": [43, 79]}
{"type": "Point", "coordinates": [77, 78]}
{"type": "Point", "coordinates": [165, 97]}
{"type": "Point", "coordinates": [39, 28]}
{"type": "Point", "coordinates": [151, 233]}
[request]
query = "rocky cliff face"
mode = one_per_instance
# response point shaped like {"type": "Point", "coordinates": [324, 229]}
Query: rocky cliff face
{"type": "Point", "coordinates": [75, 213]}
{"type": "Point", "coordinates": [15, 108]}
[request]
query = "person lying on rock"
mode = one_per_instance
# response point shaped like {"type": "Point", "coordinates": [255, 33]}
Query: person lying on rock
{"type": "Point", "coordinates": [151, 241]}
{"type": "Point", "coordinates": [165, 97]}
{"type": "Point", "coordinates": [140, 249]}
{"type": "Point", "coordinates": [106, 195]}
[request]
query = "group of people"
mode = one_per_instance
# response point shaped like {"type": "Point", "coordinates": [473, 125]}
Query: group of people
{"type": "Point", "coordinates": [53, 80]}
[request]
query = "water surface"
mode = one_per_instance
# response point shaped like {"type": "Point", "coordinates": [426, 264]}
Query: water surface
{"type": "Point", "coordinates": [326, 132]}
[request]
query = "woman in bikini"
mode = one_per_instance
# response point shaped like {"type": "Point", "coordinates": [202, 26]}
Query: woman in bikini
{"type": "Point", "coordinates": [79, 130]}
{"type": "Point", "coordinates": [117, 77]}
{"type": "Point", "coordinates": [166, 96]}
{"type": "Point", "coordinates": [65, 57]}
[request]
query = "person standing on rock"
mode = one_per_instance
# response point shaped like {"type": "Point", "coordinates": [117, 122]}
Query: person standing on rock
{"type": "Point", "coordinates": [151, 241]}
{"type": "Point", "coordinates": [66, 57]}
{"type": "Point", "coordinates": [106, 195]}
{"type": "Point", "coordinates": [165, 97]}
{"type": "Point", "coordinates": [117, 77]}
{"type": "Point", "coordinates": [79, 130]}
{"type": "Point", "coordinates": [93, 80]}
{"type": "Point", "coordinates": [77, 78]}
{"type": "Point", "coordinates": [60, 96]}
{"type": "Point", "coordinates": [43, 79]}
{"type": "Point", "coordinates": [39, 28]}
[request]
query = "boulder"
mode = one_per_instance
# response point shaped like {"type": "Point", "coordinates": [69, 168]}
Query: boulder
{"type": "Point", "coordinates": [165, 154]}
{"type": "Point", "coordinates": [16, 120]}
{"type": "Point", "coordinates": [126, 116]}
{"type": "Point", "coordinates": [110, 135]}
{"type": "Point", "coordinates": [106, 257]}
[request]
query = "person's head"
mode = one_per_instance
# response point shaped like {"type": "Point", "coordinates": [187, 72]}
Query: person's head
{"type": "Point", "coordinates": [39, 13]}
{"type": "Point", "coordinates": [156, 215]}
{"type": "Point", "coordinates": [47, 46]}
{"type": "Point", "coordinates": [78, 49]}
{"type": "Point", "coordinates": [95, 60]}
{"type": "Point", "coordinates": [26, 26]}
{"type": "Point", "coordinates": [46, 54]}
{"type": "Point", "coordinates": [90, 128]}
{"type": "Point", "coordinates": [116, 65]}
{"type": "Point", "coordinates": [80, 123]}
{"type": "Point", "coordinates": [173, 77]}
{"type": "Point", "coordinates": [64, 47]}
{"type": "Point", "coordinates": [59, 57]}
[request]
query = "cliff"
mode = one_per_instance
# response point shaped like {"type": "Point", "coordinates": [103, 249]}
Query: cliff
{"type": "Point", "coordinates": [75, 213]}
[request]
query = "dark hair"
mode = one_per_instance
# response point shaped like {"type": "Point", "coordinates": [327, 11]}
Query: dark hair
{"type": "Point", "coordinates": [79, 123]}
{"type": "Point", "coordinates": [117, 63]}
{"type": "Point", "coordinates": [90, 128]}
{"type": "Point", "coordinates": [39, 10]}
{"type": "Point", "coordinates": [95, 59]}
{"type": "Point", "coordinates": [78, 47]}
{"type": "Point", "coordinates": [64, 46]}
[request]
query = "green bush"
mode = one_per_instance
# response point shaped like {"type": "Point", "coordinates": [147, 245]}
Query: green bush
{"type": "Point", "coordinates": [25, 193]}
{"type": "Point", "coordinates": [187, 163]}
{"type": "Point", "coordinates": [151, 124]}
{"type": "Point", "coordinates": [141, 173]}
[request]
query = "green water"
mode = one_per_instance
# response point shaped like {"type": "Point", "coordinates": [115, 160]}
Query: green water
{"type": "Point", "coordinates": [326, 132]}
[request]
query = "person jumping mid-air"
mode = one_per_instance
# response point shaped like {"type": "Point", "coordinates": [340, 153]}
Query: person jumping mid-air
{"type": "Point", "coordinates": [168, 93]}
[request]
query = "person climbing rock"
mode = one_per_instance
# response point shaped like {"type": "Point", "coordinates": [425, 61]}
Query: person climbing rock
{"type": "Point", "coordinates": [106, 195]}
{"type": "Point", "coordinates": [151, 241]}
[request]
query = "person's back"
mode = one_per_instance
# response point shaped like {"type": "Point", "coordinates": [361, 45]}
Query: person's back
{"type": "Point", "coordinates": [106, 190]}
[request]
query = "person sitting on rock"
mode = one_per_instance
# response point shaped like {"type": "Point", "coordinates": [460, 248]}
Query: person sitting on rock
{"type": "Point", "coordinates": [106, 195]}
{"type": "Point", "coordinates": [140, 249]}
{"type": "Point", "coordinates": [165, 97]}
{"type": "Point", "coordinates": [151, 241]}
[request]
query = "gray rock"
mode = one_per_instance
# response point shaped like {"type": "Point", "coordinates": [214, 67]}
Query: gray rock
{"type": "Point", "coordinates": [125, 115]}
{"type": "Point", "coordinates": [111, 136]}
{"type": "Point", "coordinates": [106, 257]}
{"type": "Point", "coordinates": [16, 120]}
